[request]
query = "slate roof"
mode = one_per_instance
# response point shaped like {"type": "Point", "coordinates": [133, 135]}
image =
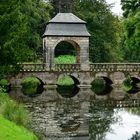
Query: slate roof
{"type": "Point", "coordinates": [66, 18]}
{"type": "Point", "coordinates": [66, 24]}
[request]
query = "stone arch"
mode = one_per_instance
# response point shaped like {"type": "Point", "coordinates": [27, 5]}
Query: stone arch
{"type": "Point", "coordinates": [135, 79]}
{"type": "Point", "coordinates": [131, 84]}
{"type": "Point", "coordinates": [105, 76]}
{"type": "Point", "coordinates": [73, 43]}
{"type": "Point", "coordinates": [76, 81]}
{"type": "Point", "coordinates": [36, 76]}
{"type": "Point", "coordinates": [107, 80]}
{"type": "Point", "coordinates": [74, 78]}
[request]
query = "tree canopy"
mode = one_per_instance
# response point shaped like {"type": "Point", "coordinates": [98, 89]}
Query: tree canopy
{"type": "Point", "coordinates": [21, 26]}
{"type": "Point", "coordinates": [103, 27]}
{"type": "Point", "coordinates": [131, 30]}
{"type": "Point", "coordinates": [23, 22]}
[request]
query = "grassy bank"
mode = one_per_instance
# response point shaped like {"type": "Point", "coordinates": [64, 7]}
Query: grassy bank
{"type": "Point", "coordinates": [14, 117]}
{"type": "Point", "coordinates": [11, 131]}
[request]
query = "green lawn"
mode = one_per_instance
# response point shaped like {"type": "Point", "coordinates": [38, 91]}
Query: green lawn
{"type": "Point", "coordinates": [10, 131]}
{"type": "Point", "coordinates": [65, 59]}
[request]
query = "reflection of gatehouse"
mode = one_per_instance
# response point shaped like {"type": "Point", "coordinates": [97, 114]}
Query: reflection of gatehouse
{"type": "Point", "coordinates": [67, 28]}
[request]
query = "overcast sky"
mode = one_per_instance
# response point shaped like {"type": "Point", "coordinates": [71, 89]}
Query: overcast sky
{"type": "Point", "coordinates": [117, 7]}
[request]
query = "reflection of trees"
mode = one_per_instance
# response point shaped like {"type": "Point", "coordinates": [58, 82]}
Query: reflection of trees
{"type": "Point", "coordinates": [135, 136]}
{"type": "Point", "coordinates": [135, 111]}
{"type": "Point", "coordinates": [99, 124]}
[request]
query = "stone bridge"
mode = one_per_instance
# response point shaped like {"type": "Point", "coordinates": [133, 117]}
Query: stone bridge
{"type": "Point", "coordinates": [116, 72]}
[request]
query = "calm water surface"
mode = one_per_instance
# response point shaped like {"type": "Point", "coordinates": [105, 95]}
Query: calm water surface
{"type": "Point", "coordinates": [78, 117]}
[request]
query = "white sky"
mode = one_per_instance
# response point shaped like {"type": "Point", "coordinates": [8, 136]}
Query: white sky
{"type": "Point", "coordinates": [117, 7]}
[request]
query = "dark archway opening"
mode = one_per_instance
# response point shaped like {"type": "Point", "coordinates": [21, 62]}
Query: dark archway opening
{"type": "Point", "coordinates": [32, 86]}
{"type": "Point", "coordinates": [76, 81]}
{"type": "Point", "coordinates": [102, 85]}
{"type": "Point", "coordinates": [107, 80]}
{"type": "Point", "coordinates": [67, 86]}
{"type": "Point", "coordinates": [131, 85]}
{"type": "Point", "coordinates": [67, 52]}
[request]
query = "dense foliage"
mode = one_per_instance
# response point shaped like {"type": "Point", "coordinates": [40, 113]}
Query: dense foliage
{"type": "Point", "coordinates": [30, 85]}
{"type": "Point", "coordinates": [4, 84]}
{"type": "Point", "coordinates": [103, 27]}
{"type": "Point", "coordinates": [131, 30]}
{"type": "Point", "coordinates": [131, 85]}
{"type": "Point", "coordinates": [13, 111]}
{"type": "Point", "coordinates": [21, 25]}
{"type": "Point", "coordinates": [65, 80]}
{"type": "Point", "coordinates": [13, 116]}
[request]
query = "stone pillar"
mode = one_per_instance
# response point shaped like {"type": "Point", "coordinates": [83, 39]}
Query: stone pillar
{"type": "Point", "coordinates": [84, 54]}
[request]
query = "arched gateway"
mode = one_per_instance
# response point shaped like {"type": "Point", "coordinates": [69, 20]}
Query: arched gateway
{"type": "Point", "coordinates": [69, 28]}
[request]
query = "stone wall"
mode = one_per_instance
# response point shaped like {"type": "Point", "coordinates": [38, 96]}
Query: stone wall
{"type": "Point", "coordinates": [84, 77]}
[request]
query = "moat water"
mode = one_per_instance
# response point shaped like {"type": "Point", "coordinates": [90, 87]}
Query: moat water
{"type": "Point", "coordinates": [84, 116]}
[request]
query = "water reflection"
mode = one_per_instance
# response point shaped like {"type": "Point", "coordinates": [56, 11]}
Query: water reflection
{"type": "Point", "coordinates": [82, 117]}
{"type": "Point", "coordinates": [69, 114]}
{"type": "Point", "coordinates": [67, 92]}
{"type": "Point", "coordinates": [99, 123]}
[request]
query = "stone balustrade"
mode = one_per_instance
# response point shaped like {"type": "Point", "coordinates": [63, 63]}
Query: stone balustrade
{"type": "Point", "coordinates": [115, 67]}
{"type": "Point", "coordinates": [33, 67]}
{"type": "Point", "coordinates": [95, 67]}
{"type": "Point", "coordinates": [67, 67]}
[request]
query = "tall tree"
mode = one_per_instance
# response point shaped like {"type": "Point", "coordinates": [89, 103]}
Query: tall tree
{"type": "Point", "coordinates": [20, 27]}
{"type": "Point", "coordinates": [130, 6]}
{"type": "Point", "coordinates": [103, 26]}
{"type": "Point", "coordinates": [131, 30]}
{"type": "Point", "coordinates": [63, 6]}
{"type": "Point", "coordinates": [104, 29]}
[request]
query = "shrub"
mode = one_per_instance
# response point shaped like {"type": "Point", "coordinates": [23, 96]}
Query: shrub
{"type": "Point", "coordinates": [30, 85]}
{"type": "Point", "coordinates": [13, 111]}
{"type": "Point", "coordinates": [98, 85]}
{"type": "Point", "coordinates": [4, 84]}
{"type": "Point", "coordinates": [16, 114]}
{"type": "Point", "coordinates": [65, 80]}
{"type": "Point", "coordinates": [127, 84]}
